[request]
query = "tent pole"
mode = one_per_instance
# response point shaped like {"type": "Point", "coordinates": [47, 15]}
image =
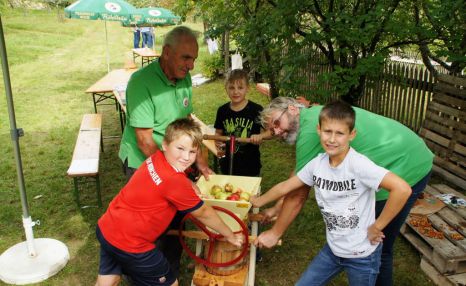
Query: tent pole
{"type": "Point", "coordinates": [106, 43]}
{"type": "Point", "coordinates": [15, 134]}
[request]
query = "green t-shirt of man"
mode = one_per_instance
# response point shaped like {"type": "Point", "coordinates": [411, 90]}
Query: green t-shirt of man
{"type": "Point", "coordinates": [385, 141]}
{"type": "Point", "coordinates": [152, 101]}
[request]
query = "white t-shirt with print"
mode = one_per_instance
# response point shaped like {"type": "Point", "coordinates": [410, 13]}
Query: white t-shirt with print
{"type": "Point", "coordinates": [346, 198]}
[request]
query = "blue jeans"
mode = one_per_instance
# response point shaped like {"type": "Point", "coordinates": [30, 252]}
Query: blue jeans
{"type": "Point", "coordinates": [136, 39]}
{"type": "Point", "coordinates": [392, 230]}
{"type": "Point", "coordinates": [147, 40]}
{"type": "Point", "coordinates": [326, 265]}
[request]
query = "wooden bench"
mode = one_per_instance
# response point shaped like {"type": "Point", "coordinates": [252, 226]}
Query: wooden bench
{"type": "Point", "coordinates": [444, 131]}
{"type": "Point", "coordinates": [84, 165]}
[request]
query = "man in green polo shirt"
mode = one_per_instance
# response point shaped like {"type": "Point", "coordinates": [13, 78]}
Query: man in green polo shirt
{"type": "Point", "coordinates": [386, 142]}
{"type": "Point", "coordinates": [157, 95]}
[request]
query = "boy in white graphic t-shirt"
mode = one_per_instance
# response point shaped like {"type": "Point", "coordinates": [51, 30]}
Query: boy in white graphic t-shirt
{"type": "Point", "coordinates": [345, 183]}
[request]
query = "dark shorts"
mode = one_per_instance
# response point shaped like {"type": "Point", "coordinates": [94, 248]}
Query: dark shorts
{"type": "Point", "coordinates": [145, 269]}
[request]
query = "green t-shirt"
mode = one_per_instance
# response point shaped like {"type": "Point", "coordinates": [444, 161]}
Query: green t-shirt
{"type": "Point", "coordinates": [385, 141]}
{"type": "Point", "coordinates": [152, 101]}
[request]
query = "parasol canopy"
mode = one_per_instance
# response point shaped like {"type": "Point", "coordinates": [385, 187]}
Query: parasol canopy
{"type": "Point", "coordinates": [153, 17]}
{"type": "Point", "coordinates": [107, 10]}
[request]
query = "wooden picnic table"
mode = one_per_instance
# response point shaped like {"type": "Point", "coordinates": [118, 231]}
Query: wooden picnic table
{"type": "Point", "coordinates": [103, 88]}
{"type": "Point", "coordinates": [147, 55]}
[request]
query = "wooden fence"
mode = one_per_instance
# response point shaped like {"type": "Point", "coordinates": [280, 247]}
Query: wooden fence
{"type": "Point", "coordinates": [400, 92]}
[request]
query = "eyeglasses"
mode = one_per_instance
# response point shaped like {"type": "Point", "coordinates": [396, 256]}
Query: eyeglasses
{"type": "Point", "coordinates": [276, 122]}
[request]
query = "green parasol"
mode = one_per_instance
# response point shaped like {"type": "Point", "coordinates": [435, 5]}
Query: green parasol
{"type": "Point", "coordinates": [107, 10]}
{"type": "Point", "coordinates": [153, 17]}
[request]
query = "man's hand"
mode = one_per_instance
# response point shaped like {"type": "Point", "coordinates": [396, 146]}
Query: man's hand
{"type": "Point", "coordinates": [375, 235]}
{"type": "Point", "coordinates": [256, 139]}
{"type": "Point", "coordinates": [269, 215]}
{"type": "Point", "coordinates": [236, 239]}
{"type": "Point", "coordinates": [267, 239]}
{"type": "Point", "coordinates": [203, 166]}
{"type": "Point", "coordinates": [206, 172]}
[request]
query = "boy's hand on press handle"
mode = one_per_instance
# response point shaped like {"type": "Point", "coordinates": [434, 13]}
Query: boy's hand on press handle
{"type": "Point", "coordinates": [256, 139]}
{"type": "Point", "coordinates": [236, 239]}
{"type": "Point", "coordinates": [254, 200]}
{"type": "Point", "coordinates": [374, 234]}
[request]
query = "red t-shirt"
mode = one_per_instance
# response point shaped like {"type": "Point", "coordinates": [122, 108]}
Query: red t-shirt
{"type": "Point", "coordinates": [144, 208]}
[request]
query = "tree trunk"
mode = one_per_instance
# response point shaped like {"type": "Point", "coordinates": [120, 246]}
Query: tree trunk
{"type": "Point", "coordinates": [226, 51]}
{"type": "Point", "coordinates": [355, 92]}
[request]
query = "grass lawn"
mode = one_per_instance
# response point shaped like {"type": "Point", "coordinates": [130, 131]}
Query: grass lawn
{"type": "Point", "coordinates": [52, 63]}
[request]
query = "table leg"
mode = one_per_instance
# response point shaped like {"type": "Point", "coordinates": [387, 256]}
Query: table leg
{"type": "Point", "coordinates": [121, 117]}
{"type": "Point", "coordinates": [95, 103]}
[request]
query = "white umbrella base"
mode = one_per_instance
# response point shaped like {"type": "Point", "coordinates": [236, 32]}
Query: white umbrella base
{"type": "Point", "coordinates": [16, 267]}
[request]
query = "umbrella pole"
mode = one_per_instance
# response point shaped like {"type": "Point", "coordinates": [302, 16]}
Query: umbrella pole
{"type": "Point", "coordinates": [25, 262]}
{"type": "Point", "coordinates": [106, 43]}
{"type": "Point", "coordinates": [15, 134]}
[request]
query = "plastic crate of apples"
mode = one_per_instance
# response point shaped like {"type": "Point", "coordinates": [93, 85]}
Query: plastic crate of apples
{"type": "Point", "coordinates": [230, 192]}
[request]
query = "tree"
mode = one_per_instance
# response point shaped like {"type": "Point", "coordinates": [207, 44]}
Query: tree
{"type": "Point", "coordinates": [441, 32]}
{"type": "Point", "coordinates": [355, 37]}
{"type": "Point", "coordinates": [152, 3]}
{"type": "Point", "coordinates": [58, 5]}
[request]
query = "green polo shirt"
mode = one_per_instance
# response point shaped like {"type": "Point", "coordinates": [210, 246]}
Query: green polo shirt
{"type": "Point", "coordinates": [152, 101]}
{"type": "Point", "coordinates": [385, 141]}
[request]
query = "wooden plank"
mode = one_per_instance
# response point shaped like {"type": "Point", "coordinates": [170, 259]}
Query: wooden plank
{"type": "Point", "coordinates": [202, 277]}
{"type": "Point", "coordinates": [436, 138]}
{"type": "Point", "coordinates": [444, 189]}
{"type": "Point", "coordinates": [454, 219]}
{"type": "Point", "coordinates": [108, 82]}
{"type": "Point", "coordinates": [87, 145]}
{"type": "Point", "coordinates": [444, 98]}
{"type": "Point", "coordinates": [444, 255]}
{"type": "Point", "coordinates": [457, 279]}
{"type": "Point", "coordinates": [83, 167]}
{"type": "Point", "coordinates": [447, 110]}
{"type": "Point", "coordinates": [450, 167]}
{"type": "Point", "coordinates": [444, 119]}
{"type": "Point", "coordinates": [146, 52]}
{"type": "Point", "coordinates": [454, 80]}
{"type": "Point", "coordinates": [443, 141]}
{"type": "Point", "coordinates": [91, 122]}
{"type": "Point", "coordinates": [450, 177]}
{"type": "Point", "coordinates": [449, 89]}
{"type": "Point", "coordinates": [438, 128]}
{"type": "Point", "coordinates": [450, 233]}
{"type": "Point", "coordinates": [443, 247]}
{"type": "Point", "coordinates": [433, 274]}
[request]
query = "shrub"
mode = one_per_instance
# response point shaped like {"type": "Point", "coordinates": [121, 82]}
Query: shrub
{"type": "Point", "coordinates": [213, 66]}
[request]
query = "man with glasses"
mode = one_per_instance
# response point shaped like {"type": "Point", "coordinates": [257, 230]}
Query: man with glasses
{"type": "Point", "coordinates": [386, 142]}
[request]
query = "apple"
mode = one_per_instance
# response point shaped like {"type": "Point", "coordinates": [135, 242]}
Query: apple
{"type": "Point", "coordinates": [215, 190]}
{"type": "Point", "coordinates": [238, 191]}
{"type": "Point", "coordinates": [245, 196]}
{"type": "Point", "coordinates": [221, 196]}
{"type": "Point", "coordinates": [228, 188]}
{"type": "Point", "coordinates": [233, 197]}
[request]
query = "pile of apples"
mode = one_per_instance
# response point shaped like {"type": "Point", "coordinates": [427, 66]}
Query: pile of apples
{"type": "Point", "coordinates": [228, 192]}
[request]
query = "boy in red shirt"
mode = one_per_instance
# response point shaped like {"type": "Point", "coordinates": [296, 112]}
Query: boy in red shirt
{"type": "Point", "coordinates": [144, 208]}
